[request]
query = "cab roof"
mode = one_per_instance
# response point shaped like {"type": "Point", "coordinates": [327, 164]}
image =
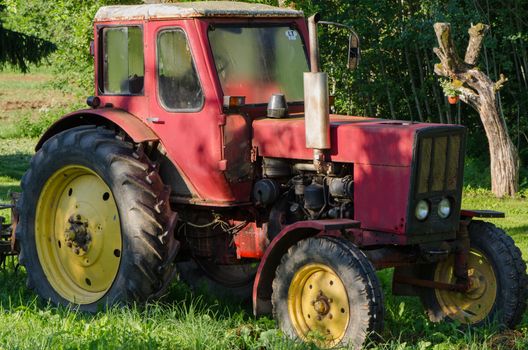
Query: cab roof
{"type": "Point", "coordinates": [191, 10]}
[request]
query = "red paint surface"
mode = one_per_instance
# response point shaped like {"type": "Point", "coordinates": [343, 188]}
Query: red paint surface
{"type": "Point", "coordinates": [354, 139]}
{"type": "Point", "coordinates": [132, 125]}
{"type": "Point", "coordinates": [381, 196]}
{"type": "Point", "coordinates": [251, 241]}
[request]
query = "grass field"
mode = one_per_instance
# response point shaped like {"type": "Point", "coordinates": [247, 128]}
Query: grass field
{"type": "Point", "coordinates": [184, 319]}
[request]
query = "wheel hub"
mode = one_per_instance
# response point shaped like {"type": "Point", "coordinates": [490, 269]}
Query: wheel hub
{"type": "Point", "coordinates": [76, 236]}
{"type": "Point", "coordinates": [322, 304]}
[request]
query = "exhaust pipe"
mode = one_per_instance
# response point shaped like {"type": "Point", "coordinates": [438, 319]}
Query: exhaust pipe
{"type": "Point", "coordinates": [316, 106]}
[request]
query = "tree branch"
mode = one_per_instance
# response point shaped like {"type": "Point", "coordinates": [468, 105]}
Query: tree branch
{"type": "Point", "coordinates": [469, 96]}
{"type": "Point", "coordinates": [498, 85]}
{"type": "Point", "coordinates": [449, 59]}
{"type": "Point", "coordinates": [476, 36]}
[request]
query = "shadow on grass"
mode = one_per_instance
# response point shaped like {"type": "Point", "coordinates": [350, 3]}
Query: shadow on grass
{"type": "Point", "coordinates": [14, 165]}
{"type": "Point", "coordinates": [515, 231]}
{"type": "Point", "coordinates": [14, 294]}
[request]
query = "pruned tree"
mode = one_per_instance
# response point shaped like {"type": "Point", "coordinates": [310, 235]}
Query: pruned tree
{"type": "Point", "coordinates": [480, 92]}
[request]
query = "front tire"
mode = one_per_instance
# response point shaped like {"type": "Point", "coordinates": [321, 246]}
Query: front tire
{"type": "Point", "coordinates": [326, 291]}
{"type": "Point", "coordinates": [95, 221]}
{"type": "Point", "coordinates": [498, 277]}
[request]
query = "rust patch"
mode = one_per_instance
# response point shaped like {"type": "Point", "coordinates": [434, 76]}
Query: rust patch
{"type": "Point", "coordinates": [191, 10]}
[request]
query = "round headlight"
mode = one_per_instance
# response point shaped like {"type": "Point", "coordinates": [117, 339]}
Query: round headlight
{"type": "Point", "coordinates": [444, 208]}
{"type": "Point", "coordinates": [422, 210]}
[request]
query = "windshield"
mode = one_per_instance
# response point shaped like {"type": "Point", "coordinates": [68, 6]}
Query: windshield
{"type": "Point", "coordinates": [257, 62]}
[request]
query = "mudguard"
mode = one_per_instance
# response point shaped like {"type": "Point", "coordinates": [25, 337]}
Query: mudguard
{"type": "Point", "coordinates": [289, 235]}
{"type": "Point", "coordinates": [129, 123]}
{"type": "Point", "coordinates": [465, 213]}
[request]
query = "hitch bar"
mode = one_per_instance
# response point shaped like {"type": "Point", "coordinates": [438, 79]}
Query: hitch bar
{"type": "Point", "coordinates": [458, 287]}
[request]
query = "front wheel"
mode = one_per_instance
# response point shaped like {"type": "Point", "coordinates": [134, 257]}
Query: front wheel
{"type": "Point", "coordinates": [326, 291]}
{"type": "Point", "coordinates": [498, 282]}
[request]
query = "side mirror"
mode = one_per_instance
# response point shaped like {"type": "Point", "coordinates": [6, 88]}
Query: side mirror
{"type": "Point", "coordinates": [353, 44]}
{"type": "Point", "coordinates": [354, 52]}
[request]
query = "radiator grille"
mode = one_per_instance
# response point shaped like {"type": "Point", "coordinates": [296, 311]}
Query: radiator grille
{"type": "Point", "coordinates": [438, 162]}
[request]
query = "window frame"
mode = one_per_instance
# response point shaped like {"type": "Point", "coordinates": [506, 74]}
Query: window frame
{"type": "Point", "coordinates": [291, 25]}
{"type": "Point", "coordinates": [101, 64]}
{"type": "Point", "coordinates": [158, 89]}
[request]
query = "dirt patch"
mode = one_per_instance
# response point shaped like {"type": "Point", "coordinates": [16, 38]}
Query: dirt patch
{"type": "Point", "coordinates": [39, 77]}
{"type": "Point", "coordinates": [505, 340]}
{"type": "Point", "coordinates": [16, 105]}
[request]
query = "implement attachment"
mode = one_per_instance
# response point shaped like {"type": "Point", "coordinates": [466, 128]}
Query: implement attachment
{"type": "Point", "coordinates": [8, 244]}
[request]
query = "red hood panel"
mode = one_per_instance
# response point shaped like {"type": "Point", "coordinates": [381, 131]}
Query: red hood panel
{"type": "Point", "coordinates": [354, 139]}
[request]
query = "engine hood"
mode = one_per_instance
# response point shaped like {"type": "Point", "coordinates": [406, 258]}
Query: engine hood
{"type": "Point", "coordinates": [353, 139]}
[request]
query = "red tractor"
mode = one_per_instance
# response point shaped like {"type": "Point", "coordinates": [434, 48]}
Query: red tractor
{"type": "Point", "coordinates": [203, 153]}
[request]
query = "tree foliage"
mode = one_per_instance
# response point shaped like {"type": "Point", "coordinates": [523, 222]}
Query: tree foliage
{"type": "Point", "coordinates": [395, 78]}
{"type": "Point", "coordinates": [19, 49]}
{"type": "Point", "coordinates": [67, 24]}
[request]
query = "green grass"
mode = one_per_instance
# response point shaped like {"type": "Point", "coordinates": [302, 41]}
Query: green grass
{"type": "Point", "coordinates": [29, 103]}
{"type": "Point", "coordinates": [183, 319]}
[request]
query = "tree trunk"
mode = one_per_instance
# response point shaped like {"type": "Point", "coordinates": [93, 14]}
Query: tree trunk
{"type": "Point", "coordinates": [480, 92]}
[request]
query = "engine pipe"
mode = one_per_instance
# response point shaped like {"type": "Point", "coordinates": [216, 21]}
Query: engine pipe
{"type": "Point", "coordinates": [316, 102]}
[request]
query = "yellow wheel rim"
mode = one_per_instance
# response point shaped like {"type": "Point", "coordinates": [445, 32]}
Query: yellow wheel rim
{"type": "Point", "coordinates": [78, 234]}
{"type": "Point", "coordinates": [474, 305]}
{"type": "Point", "coordinates": [318, 305]}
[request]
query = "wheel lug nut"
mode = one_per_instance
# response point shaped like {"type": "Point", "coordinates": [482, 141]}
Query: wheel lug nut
{"type": "Point", "coordinates": [76, 251]}
{"type": "Point", "coordinates": [330, 300]}
{"type": "Point", "coordinates": [330, 316]}
{"type": "Point", "coordinates": [319, 318]}
{"type": "Point", "coordinates": [69, 244]}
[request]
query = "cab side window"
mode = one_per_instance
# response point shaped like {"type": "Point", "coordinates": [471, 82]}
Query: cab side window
{"type": "Point", "coordinates": [123, 62]}
{"type": "Point", "coordinates": [178, 83]}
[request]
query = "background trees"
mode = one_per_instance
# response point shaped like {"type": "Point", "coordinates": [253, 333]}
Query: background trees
{"type": "Point", "coordinates": [396, 76]}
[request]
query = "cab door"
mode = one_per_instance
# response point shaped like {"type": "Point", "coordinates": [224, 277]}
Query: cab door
{"type": "Point", "coordinates": [185, 112]}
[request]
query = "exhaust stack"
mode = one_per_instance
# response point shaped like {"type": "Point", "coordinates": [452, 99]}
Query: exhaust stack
{"type": "Point", "coordinates": [316, 106]}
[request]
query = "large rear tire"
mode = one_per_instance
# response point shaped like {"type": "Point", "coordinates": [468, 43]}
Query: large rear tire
{"type": "Point", "coordinates": [95, 222]}
{"type": "Point", "coordinates": [327, 291]}
{"type": "Point", "coordinates": [498, 277]}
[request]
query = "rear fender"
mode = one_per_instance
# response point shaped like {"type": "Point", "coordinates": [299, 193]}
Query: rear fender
{"type": "Point", "coordinates": [289, 236]}
{"type": "Point", "coordinates": [134, 127]}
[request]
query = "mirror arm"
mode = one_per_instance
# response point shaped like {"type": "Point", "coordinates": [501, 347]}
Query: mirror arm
{"type": "Point", "coordinates": [352, 34]}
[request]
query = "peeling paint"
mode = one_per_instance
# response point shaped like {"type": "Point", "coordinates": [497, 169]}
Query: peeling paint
{"type": "Point", "coordinates": [191, 10]}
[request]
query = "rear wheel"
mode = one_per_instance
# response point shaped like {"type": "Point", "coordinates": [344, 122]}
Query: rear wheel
{"type": "Point", "coordinates": [326, 291]}
{"type": "Point", "coordinates": [498, 281]}
{"type": "Point", "coordinates": [95, 221]}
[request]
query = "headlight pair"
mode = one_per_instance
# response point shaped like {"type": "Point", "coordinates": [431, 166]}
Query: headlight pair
{"type": "Point", "coordinates": [423, 208]}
